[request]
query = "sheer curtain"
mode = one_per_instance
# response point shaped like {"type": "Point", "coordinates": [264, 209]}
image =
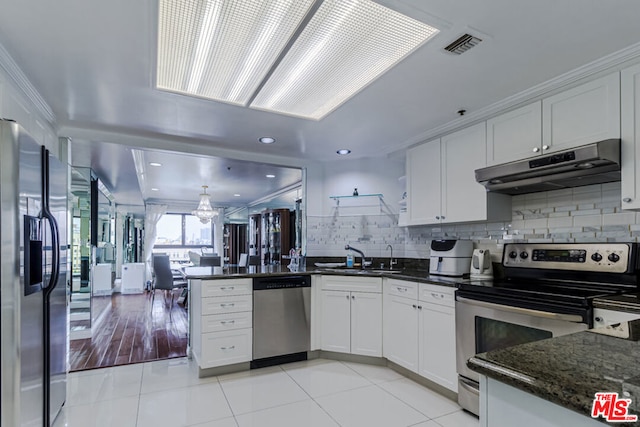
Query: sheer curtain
{"type": "Point", "coordinates": [152, 215]}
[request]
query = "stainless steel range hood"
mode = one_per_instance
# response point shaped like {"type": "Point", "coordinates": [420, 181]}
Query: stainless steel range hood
{"type": "Point", "coordinates": [594, 163]}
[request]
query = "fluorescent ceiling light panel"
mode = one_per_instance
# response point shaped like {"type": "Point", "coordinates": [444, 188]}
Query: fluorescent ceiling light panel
{"type": "Point", "coordinates": [296, 57]}
{"type": "Point", "coordinates": [345, 46]}
{"type": "Point", "coordinates": [223, 49]}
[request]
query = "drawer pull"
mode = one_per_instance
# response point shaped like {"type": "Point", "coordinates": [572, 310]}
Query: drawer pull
{"type": "Point", "coordinates": [227, 288]}
{"type": "Point", "coordinates": [228, 348]}
{"type": "Point", "coordinates": [435, 295]}
{"type": "Point", "coordinates": [401, 289]}
{"type": "Point", "coordinates": [227, 322]}
{"type": "Point", "coordinates": [224, 305]}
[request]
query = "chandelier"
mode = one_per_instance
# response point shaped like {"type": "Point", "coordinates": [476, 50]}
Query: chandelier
{"type": "Point", "coordinates": [205, 212]}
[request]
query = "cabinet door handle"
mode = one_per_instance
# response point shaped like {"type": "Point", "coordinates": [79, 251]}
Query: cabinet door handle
{"type": "Point", "coordinates": [437, 217]}
{"type": "Point", "coordinates": [419, 307]}
{"type": "Point", "coordinates": [353, 297]}
{"type": "Point", "coordinates": [227, 322]}
{"type": "Point", "coordinates": [227, 305]}
{"type": "Point", "coordinates": [442, 217]}
{"type": "Point", "coordinates": [545, 147]}
{"type": "Point", "coordinates": [228, 348]}
{"type": "Point", "coordinates": [627, 200]}
{"type": "Point", "coordinates": [414, 306]}
{"type": "Point", "coordinates": [536, 149]}
{"type": "Point", "coordinates": [347, 296]}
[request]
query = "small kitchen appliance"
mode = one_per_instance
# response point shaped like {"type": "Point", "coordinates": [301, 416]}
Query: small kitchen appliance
{"type": "Point", "coordinates": [481, 267]}
{"type": "Point", "coordinates": [450, 257]}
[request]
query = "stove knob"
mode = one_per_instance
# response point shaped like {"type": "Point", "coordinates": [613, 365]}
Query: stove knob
{"type": "Point", "coordinates": [614, 257]}
{"type": "Point", "coordinates": [524, 255]}
{"type": "Point", "coordinates": [513, 254]}
{"type": "Point", "coordinates": [596, 257]}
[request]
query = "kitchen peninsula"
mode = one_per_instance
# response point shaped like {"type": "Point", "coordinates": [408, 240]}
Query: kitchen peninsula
{"type": "Point", "coordinates": [553, 382]}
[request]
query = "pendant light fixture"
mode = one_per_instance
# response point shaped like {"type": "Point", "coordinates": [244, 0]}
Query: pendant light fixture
{"type": "Point", "coordinates": [205, 212]}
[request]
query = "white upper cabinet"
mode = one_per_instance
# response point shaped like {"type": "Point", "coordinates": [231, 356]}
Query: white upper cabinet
{"type": "Point", "coordinates": [631, 138]}
{"type": "Point", "coordinates": [463, 199]}
{"type": "Point", "coordinates": [584, 114]}
{"type": "Point", "coordinates": [515, 135]}
{"type": "Point", "coordinates": [441, 183]}
{"type": "Point", "coordinates": [578, 116]}
{"type": "Point", "coordinates": [423, 183]}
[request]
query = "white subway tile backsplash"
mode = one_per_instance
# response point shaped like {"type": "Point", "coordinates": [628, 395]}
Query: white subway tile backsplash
{"type": "Point", "coordinates": [558, 214]}
{"type": "Point", "coordinates": [619, 218]}
{"type": "Point", "coordinates": [596, 188]}
{"type": "Point", "coordinates": [562, 221]}
{"type": "Point", "coordinates": [584, 235]}
{"type": "Point", "coordinates": [591, 213]}
{"type": "Point", "coordinates": [536, 223]}
{"type": "Point", "coordinates": [586, 212]}
{"type": "Point", "coordinates": [587, 220]}
{"type": "Point", "coordinates": [566, 208]}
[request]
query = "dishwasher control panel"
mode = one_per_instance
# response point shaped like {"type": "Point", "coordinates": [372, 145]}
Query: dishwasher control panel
{"type": "Point", "coordinates": [285, 282]}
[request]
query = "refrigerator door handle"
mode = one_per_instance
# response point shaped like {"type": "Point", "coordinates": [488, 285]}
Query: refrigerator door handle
{"type": "Point", "coordinates": [53, 225]}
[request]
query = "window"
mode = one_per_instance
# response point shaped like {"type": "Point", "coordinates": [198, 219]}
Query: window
{"type": "Point", "coordinates": [197, 233]}
{"type": "Point", "coordinates": [183, 230]}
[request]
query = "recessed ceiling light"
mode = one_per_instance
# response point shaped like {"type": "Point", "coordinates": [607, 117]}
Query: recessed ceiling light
{"type": "Point", "coordinates": [343, 151]}
{"type": "Point", "coordinates": [236, 195]}
{"type": "Point", "coordinates": [270, 176]}
{"type": "Point", "coordinates": [302, 58]}
{"type": "Point", "coordinates": [267, 140]}
{"type": "Point", "coordinates": [154, 189]}
{"type": "Point", "coordinates": [155, 164]}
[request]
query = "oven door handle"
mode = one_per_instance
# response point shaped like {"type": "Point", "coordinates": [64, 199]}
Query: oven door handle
{"type": "Point", "coordinates": [535, 313]}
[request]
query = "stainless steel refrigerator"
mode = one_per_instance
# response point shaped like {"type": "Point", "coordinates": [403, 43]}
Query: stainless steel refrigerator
{"type": "Point", "coordinates": [33, 291]}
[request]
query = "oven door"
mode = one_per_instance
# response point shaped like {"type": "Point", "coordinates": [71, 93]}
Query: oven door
{"type": "Point", "coordinates": [483, 326]}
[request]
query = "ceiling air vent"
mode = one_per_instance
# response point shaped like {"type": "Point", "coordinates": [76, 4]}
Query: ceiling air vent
{"type": "Point", "coordinates": [463, 44]}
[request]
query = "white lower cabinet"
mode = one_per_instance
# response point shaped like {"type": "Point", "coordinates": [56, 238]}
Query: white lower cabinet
{"type": "Point", "coordinates": [438, 335]}
{"type": "Point", "coordinates": [221, 321]}
{"type": "Point", "coordinates": [400, 329]}
{"type": "Point", "coordinates": [419, 330]}
{"type": "Point", "coordinates": [225, 348]}
{"type": "Point", "coordinates": [352, 315]}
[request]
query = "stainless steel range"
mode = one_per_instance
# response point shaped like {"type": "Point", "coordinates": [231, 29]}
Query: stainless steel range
{"type": "Point", "coordinates": [547, 291]}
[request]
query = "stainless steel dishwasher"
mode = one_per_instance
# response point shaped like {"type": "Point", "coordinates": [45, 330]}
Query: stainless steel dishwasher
{"type": "Point", "coordinates": [281, 319]}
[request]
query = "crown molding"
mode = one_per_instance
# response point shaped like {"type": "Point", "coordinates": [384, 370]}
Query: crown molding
{"type": "Point", "coordinates": [608, 63]}
{"type": "Point", "coordinates": [22, 82]}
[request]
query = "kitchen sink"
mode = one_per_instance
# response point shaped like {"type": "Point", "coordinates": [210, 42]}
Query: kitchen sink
{"type": "Point", "coordinates": [361, 271]}
{"type": "Point", "coordinates": [385, 271]}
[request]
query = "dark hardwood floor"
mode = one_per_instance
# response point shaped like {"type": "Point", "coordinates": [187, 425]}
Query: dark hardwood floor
{"type": "Point", "coordinates": [130, 332]}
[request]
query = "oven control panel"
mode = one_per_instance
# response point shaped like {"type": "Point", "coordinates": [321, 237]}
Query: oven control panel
{"type": "Point", "coordinates": [597, 257]}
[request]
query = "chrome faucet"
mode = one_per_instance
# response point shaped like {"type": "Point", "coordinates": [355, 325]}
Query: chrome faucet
{"type": "Point", "coordinates": [391, 262]}
{"type": "Point", "coordinates": [349, 248]}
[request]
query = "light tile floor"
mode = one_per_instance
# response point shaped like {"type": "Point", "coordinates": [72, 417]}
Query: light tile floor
{"type": "Point", "coordinates": [315, 393]}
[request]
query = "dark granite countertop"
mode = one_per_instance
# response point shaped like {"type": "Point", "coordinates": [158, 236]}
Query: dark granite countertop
{"type": "Point", "coordinates": [421, 276]}
{"type": "Point", "coordinates": [569, 370]}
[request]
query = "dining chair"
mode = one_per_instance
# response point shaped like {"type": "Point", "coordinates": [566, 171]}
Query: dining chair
{"type": "Point", "coordinates": [165, 280]}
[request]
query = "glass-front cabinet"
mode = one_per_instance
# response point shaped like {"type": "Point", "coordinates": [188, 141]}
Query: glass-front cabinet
{"type": "Point", "coordinates": [276, 235]}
